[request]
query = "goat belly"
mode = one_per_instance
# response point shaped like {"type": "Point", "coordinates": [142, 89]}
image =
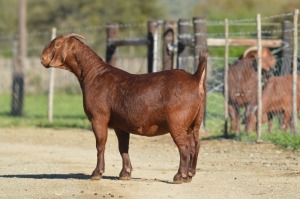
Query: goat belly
{"type": "Point", "coordinates": [138, 127]}
{"type": "Point", "coordinates": [151, 130]}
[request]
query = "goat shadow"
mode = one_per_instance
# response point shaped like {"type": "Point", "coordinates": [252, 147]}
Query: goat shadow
{"type": "Point", "coordinates": [77, 176]}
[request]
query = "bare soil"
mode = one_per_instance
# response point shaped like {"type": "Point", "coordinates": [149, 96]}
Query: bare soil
{"type": "Point", "coordinates": [49, 163]}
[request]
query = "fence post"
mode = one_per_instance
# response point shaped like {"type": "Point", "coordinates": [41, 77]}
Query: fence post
{"type": "Point", "coordinates": [226, 79]}
{"type": "Point", "coordinates": [18, 72]}
{"type": "Point", "coordinates": [112, 33]}
{"type": "Point", "coordinates": [157, 47]}
{"type": "Point", "coordinates": [287, 52]}
{"type": "Point", "coordinates": [259, 88]}
{"type": "Point", "coordinates": [183, 50]}
{"type": "Point", "coordinates": [169, 42]}
{"type": "Point", "coordinates": [151, 45]}
{"type": "Point", "coordinates": [200, 31]}
{"type": "Point", "coordinates": [51, 85]}
{"type": "Point", "coordinates": [295, 76]}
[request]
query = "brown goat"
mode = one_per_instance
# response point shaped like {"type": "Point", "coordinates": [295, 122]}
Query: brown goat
{"type": "Point", "coordinates": [152, 104]}
{"type": "Point", "coordinates": [242, 82]}
{"type": "Point", "coordinates": [276, 98]}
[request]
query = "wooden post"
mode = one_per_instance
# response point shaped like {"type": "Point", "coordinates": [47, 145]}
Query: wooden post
{"type": "Point", "coordinates": [200, 31]}
{"type": "Point", "coordinates": [259, 86]}
{"type": "Point", "coordinates": [156, 45]}
{"type": "Point", "coordinates": [112, 33]}
{"type": "Point", "coordinates": [151, 43]}
{"type": "Point", "coordinates": [200, 44]}
{"type": "Point", "coordinates": [287, 52]}
{"type": "Point", "coordinates": [169, 41]}
{"type": "Point", "coordinates": [295, 75]}
{"type": "Point", "coordinates": [226, 79]}
{"type": "Point", "coordinates": [18, 73]}
{"type": "Point", "coordinates": [183, 50]}
{"type": "Point", "coordinates": [51, 85]}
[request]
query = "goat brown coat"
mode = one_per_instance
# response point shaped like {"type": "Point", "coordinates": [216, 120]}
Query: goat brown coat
{"type": "Point", "coordinates": [277, 98]}
{"type": "Point", "coordinates": [242, 82]}
{"type": "Point", "coordinates": [148, 104]}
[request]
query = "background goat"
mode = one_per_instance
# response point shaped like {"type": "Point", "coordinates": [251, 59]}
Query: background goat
{"type": "Point", "coordinates": [242, 82]}
{"type": "Point", "coordinates": [276, 98]}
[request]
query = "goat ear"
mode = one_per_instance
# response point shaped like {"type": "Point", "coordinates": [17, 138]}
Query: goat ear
{"type": "Point", "coordinates": [77, 36]}
{"type": "Point", "coordinates": [58, 42]}
{"type": "Point", "coordinates": [57, 45]}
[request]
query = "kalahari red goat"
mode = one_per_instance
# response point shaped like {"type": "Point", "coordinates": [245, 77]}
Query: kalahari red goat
{"type": "Point", "coordinates": [242, 82]}
{"type": "Point", "coordinates": [148, 104]}
{"type": "Point", "coordinates": [277, 98]}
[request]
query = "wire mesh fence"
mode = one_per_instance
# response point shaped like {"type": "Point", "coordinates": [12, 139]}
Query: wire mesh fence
{"type": "Point", "coordinates": [134, 60]}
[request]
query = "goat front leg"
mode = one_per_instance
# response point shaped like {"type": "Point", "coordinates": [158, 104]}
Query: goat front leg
{"type": "Point", "coordinates": [270, 122]}
{"type": "Point", "coordinates": [100, 132]}
{"type": "Point", "coordinates": [234, 117]}
{"type": "Point", "coordinates": [286, 120]}
{"type": "Point", "coordinates": [123, 138]}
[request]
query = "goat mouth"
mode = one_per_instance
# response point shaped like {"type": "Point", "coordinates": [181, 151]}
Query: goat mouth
{"type": "Point", "coordinates": [46, 61]}
{"type": "Point", "coordinates": [46, 65]}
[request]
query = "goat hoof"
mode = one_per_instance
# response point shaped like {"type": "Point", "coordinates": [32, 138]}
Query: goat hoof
{"type": "Point", "coordinates": [191, 173]}
{"type": "Point", "coordinates": [124, 175]}
{"type": "Point", "coordinates": [96, 176]}
{"type": "Point", "coordinates": [187, 179]}
{"type": "Point", "coordinates": [178, 179]}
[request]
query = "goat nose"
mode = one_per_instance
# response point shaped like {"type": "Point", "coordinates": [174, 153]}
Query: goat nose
{"type": "Point", "coordinates": [44, 61]}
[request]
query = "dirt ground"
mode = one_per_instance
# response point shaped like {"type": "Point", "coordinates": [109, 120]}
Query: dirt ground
{"type": "Point", "coordinates": [48, 163]}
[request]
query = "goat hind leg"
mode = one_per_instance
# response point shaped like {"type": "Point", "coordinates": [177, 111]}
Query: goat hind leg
{"type": "Point", "coordinates": [195, 146]}
{"type": "Point", "coordinates": [183, 144]}
{"type": "Point", "coordinates": [123, 138]}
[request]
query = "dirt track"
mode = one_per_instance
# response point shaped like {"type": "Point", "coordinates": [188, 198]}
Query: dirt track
{"type": "Point", "coordinates": [47, 163]}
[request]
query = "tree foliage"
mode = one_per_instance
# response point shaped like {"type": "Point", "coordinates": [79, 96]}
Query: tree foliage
{"type": "Point", "coordinates": [70, 15]}
{"type": "Point", "coordinates": [232, 9]}
{"type": "Point", "coordinates": [44, 14]}
{"type": "Point", "coordinates": [240, 12]}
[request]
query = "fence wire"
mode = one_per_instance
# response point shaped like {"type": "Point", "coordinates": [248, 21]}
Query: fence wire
{"type": "Point", "coordinates": [134, 60]}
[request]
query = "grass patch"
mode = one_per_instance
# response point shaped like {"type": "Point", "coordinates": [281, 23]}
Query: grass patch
{"type": "Point", "coordinates": [67, 112]}
{"type": "Point", "coordinates": [215, 126]}
{"type": "Point", "coordinates": [286, 140]}
{"type": "Point", "coordinates": [214, 113]}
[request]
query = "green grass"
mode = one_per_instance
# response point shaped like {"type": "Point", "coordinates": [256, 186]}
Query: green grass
{"type": "Point", "coordinates": [214, 113]}
{"type": "Point", "coordinates": [67, 112]}
{"type": "Point", "coordinates": [286, 140]}
{"type": "Point", "coordinates": [215, 126]}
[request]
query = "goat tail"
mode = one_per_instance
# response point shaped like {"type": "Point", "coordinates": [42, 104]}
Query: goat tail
{"type": "Point", "coordinates": [200, 74]}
